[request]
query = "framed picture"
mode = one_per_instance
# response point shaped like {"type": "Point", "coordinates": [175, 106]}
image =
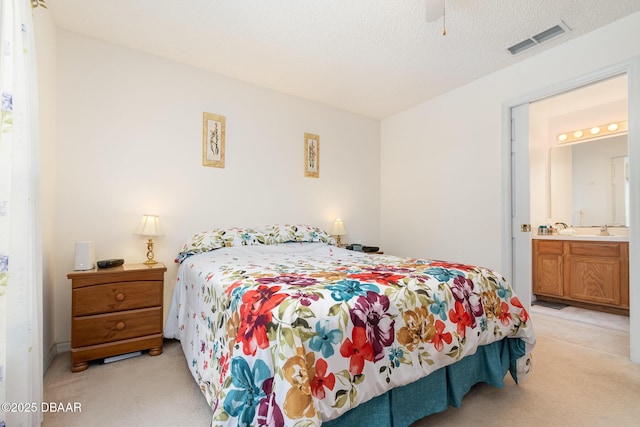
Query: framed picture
{"type": "Point", "coordinates": [311, 155]}
{"type": "Point", "coordinates": [213, 140]}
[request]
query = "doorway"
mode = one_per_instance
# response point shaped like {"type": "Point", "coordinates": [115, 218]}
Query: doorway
{"type": "Point", "coordinates": [533, 185]}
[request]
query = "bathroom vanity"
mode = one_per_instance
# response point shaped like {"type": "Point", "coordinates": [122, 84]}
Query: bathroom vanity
{"type": "Point", "coordinates": [585, 271]}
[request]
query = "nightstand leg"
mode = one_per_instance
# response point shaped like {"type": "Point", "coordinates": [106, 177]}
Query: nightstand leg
{"type": "Point", "coordinates": [156, 351]}
{"type": "Point", "coordinates": [79, 367]}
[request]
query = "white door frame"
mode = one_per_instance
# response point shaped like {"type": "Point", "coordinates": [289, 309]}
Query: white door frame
{"type": "Point", "coordinates": [520, 203]}
{"type": "Point", "coordinates": [632, 69]}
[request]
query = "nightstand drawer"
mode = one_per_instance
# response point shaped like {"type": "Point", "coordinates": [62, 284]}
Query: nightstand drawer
{"type": "Point", "coordinates": [104, 328]}
{"type": "Point", "coordinates": [117, 296]}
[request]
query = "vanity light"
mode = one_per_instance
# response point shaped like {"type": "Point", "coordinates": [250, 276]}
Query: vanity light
{"type": "Point", "coordinates": [594, 132]}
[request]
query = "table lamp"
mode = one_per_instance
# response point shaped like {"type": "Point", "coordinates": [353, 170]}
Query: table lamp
{"type": "Point", "coordinates": [149, 227]}
{"type": "Point", "coordinates": [337, 229]}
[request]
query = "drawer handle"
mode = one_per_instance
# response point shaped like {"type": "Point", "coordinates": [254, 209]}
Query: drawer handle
{"type": "Point", "coordinates": [120, 326]}
{"type": "Point", "coordinates": [120, 297]}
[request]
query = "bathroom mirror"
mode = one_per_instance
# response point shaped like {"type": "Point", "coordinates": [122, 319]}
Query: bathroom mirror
{"type": "Point", "coordinates": [589, 183]}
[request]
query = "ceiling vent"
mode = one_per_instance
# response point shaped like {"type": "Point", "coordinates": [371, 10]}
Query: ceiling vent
{"type": "Point", "coordinates": [541, 37]}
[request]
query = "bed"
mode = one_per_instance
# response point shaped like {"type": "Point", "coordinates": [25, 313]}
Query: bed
{"type": "Point", "coordinates": [280, 327]}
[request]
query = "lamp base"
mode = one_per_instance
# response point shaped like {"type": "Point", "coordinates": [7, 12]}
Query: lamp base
{"type": "Point", "coordinates": [150, 254]}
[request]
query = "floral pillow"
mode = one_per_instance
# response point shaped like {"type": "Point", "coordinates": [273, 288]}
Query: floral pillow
{"type": "Point", "coordinates": [219, 238]}
{"type": "Point", "coordinates": [269, 235]}
{"type": "Point", "coordinates": [295, 233]}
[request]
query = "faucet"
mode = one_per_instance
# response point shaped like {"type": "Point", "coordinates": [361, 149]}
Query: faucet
{"type": "Point", "coordinates": [604, 230]}
{"type": "Point", "coordinates": [564, 226]}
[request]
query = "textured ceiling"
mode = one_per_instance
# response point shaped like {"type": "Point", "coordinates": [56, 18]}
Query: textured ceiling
{"type": "Point", "coordinates": [372, 57]}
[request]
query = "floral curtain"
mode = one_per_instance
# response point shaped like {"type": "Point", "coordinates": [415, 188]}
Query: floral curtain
{"type": "Point", "coordinates": [20, 242]}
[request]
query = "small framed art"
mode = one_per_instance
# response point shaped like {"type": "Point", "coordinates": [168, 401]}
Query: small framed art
{"type": "Point", "coordinates": [213, 140]}
{"type": "Point", "coordinates": [311, 155]}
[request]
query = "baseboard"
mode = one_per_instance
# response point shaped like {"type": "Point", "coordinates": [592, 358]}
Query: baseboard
{"type": "Point", "coordinates": [48, 358]}
{"type": "Point", "coordinates": [55, 350]}
{"type": "Point", "coordinates": [63, 347]}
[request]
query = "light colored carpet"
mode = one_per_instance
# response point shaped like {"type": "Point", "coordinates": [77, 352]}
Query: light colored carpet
{"type": "Point", "coordinates": [581, 377]}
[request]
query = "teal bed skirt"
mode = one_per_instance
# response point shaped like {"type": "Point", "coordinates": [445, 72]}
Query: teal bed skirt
{"type": "Point", "coordinates": [402, 406]}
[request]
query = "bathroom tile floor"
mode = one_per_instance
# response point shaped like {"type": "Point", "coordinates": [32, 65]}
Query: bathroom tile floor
{"type": "Point", "coordinates": [614, 340]}
{"type": "Point", "coordinates": [594, 318]}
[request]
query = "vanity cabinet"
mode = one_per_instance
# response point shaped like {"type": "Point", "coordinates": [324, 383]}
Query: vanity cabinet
{"type": "Point", "coordinates": [548, 267]}
{"type": "Point", "coordinates": [587, 274]}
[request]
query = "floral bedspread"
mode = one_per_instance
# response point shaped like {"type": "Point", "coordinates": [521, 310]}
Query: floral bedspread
{"type": "Point", "coordinates": [298, 333]}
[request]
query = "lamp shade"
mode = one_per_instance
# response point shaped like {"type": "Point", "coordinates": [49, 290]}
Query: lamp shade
{"type": "Point", "coordinates": [337, 229]}
{"type": "Point", "coordinates": [149, 226]}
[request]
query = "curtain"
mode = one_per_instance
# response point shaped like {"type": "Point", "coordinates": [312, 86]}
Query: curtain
{"type": "Point", "coordinates": [20, 241]}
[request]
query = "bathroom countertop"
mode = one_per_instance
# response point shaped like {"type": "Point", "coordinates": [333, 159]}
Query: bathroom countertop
{"type": "Point", "coordinates": [590, 237]}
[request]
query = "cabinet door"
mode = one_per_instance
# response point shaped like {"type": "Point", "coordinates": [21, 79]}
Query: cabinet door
{"type": "Point", "coordinates": [594, 279]}
{"type": "Point", "coordinates": [548, 268]}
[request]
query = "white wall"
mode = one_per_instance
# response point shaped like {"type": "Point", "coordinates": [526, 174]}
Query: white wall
{"type": "Point", "coordinates": [45, 34]}
{"type": "Point", "coordinates": [441, 161]}
{"type": "Point", "coordinates": [129, 142]}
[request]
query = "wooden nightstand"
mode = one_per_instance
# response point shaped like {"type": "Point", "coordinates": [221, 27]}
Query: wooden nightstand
{"type": "Point", "coordinates": [116, 311]}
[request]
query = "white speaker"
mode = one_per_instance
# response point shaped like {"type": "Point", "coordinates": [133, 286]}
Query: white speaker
{"type": "Point", "coordinates": [85, 256]}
